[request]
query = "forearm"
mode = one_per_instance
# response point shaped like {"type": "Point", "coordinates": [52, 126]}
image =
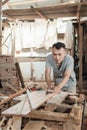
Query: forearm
{"type": "Point", "coordinates": [63, 82]}
{"type": "Point", "coordinates": [48, 78]}
{"type": "Point", "coordinates": [58, 88]}
{"type": "Point", "coordinates": [48, 81]}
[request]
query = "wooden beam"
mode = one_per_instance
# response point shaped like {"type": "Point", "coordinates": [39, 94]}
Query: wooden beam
{"type": "Point", "coordinates": [10, 86]}
{"type": "Point", "coordinates": [20, 74]}
{"type": "Point", "coordinates": [4, 2]}
{"type": "Point", "coordinates": [52, 116]}
{"type": "Point", "coordinates": [39, 13]}
{"type": "Point", "coordinates": [29, 59]}
{"type": "Point", "coordinates": [9, 17]}
{"type": "Point", "coordinates": [55, 11]}
{"type": "Point", "coordinates": [5, 24]}
{"type": "Point", "coordinates": [78, 11]}
{"type": "Point", "coordinates": [80, 53]}
{"type": "Point", "coordinates": [13, 40]}
{"type": "Point", "coordinates": [13, 95]}
{"type": "Point", "coordinates": [0, 27]}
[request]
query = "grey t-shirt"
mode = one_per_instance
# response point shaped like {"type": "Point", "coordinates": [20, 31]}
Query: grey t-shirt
{"type": "Point", "coordinates": [67, 64]}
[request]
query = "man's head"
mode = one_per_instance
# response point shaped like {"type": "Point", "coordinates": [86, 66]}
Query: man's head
{"type": "Point", "coordinates": [59, 52]}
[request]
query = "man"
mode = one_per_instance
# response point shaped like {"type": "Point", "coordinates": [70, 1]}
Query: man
{"type": "Point", "coordinates": [63, 69]}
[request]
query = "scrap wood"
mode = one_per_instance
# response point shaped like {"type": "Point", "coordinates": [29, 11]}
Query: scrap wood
{"type": "Point", "coordinates": [13, 95]}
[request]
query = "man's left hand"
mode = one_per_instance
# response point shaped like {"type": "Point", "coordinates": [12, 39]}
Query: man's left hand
{"type": "Point", "coordinates": [57, 90]}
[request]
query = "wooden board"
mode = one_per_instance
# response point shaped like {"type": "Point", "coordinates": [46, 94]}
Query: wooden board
{"type": "Point", "coordinates": [57, 99]}
{"type": "Point", "coordinates": [17, 121]}
{"type": "Point", "coordinates": [37, 98]}
{"type": "Point", "coordinates": [34, 125]}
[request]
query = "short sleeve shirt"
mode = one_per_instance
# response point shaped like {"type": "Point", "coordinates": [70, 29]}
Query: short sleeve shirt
{"type": "Point", "coordinates": [67, 64]}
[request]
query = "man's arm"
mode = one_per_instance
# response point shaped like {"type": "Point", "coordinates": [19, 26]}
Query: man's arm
{"type": "Point", "coordinates": [63, 82]}
{"type": "Point", "coordinates": [48, 76]}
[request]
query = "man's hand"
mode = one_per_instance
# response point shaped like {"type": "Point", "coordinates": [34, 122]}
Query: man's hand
{"type": "Point", "coordinates": [57, 90]}
{"type": "Point", "coordinates": [52, 86]}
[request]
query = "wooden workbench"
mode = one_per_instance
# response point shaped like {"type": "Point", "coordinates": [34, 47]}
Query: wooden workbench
{"type": "Point", "coordinates": [48, 112]}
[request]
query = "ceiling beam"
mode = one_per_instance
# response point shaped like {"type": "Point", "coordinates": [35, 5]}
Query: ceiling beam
{"type": "Point", "coordinates": [39, 13]}
{"type": "Point", "coordinates": [78, 12]}
{"type": "Point", "coordinates": [50, 12]}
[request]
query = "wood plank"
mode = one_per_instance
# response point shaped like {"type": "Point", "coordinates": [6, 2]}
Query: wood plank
{"type": "Point", "coordinates": [17, 109]}
{"type": "Point", "coordinates": [34, 125]}
{"type": "Point", "coordinates": [37, 98]}
{"type": "Point", "coordinates": [57, 99]}
{"type": "Point", "coordinates": [51, 116]}
{"type": "Point", "coordinates": [17, 121]}
{"type": "Point", "coordinates": [29, 59]}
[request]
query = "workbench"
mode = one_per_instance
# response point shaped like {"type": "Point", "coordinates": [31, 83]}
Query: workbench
{"type": "Point", "coordinates": [62, 111]}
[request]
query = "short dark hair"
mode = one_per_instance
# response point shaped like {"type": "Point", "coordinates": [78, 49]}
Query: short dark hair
{"type": "Point", "coordinates": [59, 45]}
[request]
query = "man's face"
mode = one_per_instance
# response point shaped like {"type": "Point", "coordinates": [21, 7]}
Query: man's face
{"type": "Point", "coordinates": [58, 54]}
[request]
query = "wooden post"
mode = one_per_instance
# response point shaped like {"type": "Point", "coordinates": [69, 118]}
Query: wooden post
{"type": "Point", "coordinates": [13, 40]}
{"type": "Point", "coordinates": [0, 27]}
{"type": "Point", "coordinates": [19, 74]}
{"type": "Point", "coordinates": [80, 52]}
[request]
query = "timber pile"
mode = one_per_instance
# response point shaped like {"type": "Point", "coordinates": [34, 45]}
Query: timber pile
{"type": "Point", "coordinates": [8, 75]}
